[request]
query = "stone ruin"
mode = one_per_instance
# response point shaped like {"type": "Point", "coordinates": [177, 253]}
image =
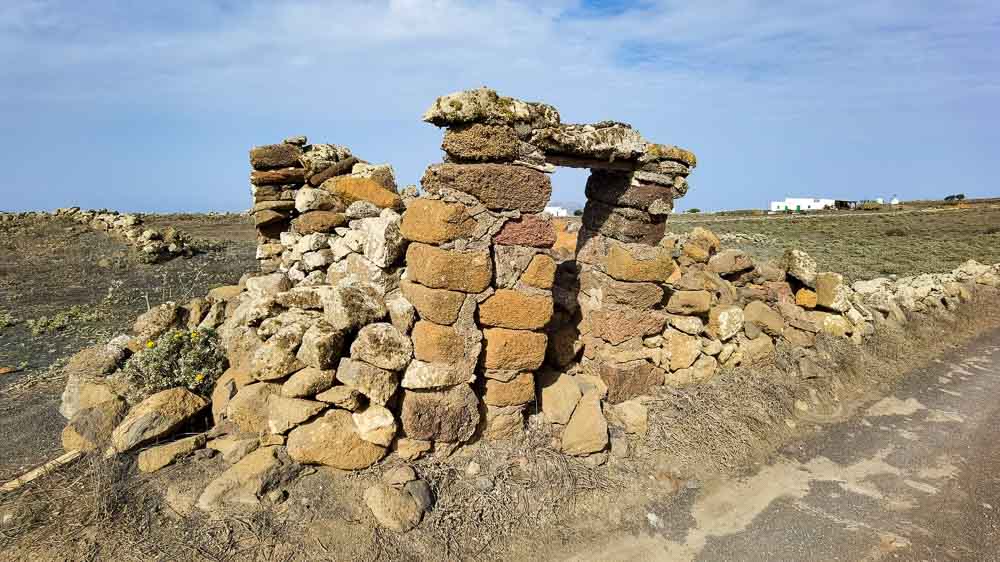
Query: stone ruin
{"type": "Point", "coordinates": [415, 321]}
{"type": "Point", "coordinates": [464, 267]}
{"type": "Point", "coordinates": [152, 244]}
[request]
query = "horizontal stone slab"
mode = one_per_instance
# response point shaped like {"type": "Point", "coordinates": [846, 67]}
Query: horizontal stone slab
{"type": "Point", "coordinates": [668, 152]}
{"type": "Point", "coordinates": [483, 105]}
{"type": "Point", "coordinates": [607, 141]}
{"type": "Point", "coordinates": [274, 156]}
{"type": "Point", "coordinates": [498, 186]}
{"type": "Point", "coordinates": [623, 223]}
{"type": "Point", "coordinates": [283, 176]}
{"type": "Point", "coordinates": [618, 189]}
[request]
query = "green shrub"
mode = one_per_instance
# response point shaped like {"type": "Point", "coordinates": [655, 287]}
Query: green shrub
{"type": "Point", "coordinates": [693, 210]}
{"type": "Point", "coordinates": [6, 320]}
{"type": "Point", "coordinates": [194, 360]}
{"type": "Point", "coordinates": [64, 319]}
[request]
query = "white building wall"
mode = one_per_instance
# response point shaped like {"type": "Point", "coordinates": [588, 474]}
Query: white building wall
{"type": "Point", "coordinates": [802, 204]}
{"type": "Point", "coordinates": [557, 211]}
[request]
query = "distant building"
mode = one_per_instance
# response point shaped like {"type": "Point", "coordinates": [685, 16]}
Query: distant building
{"type": "Point", "coordinates": [802, 204]}
{"type": "Point", "coordinates": [894, 201]}
{"type": "Point", "coordinates": [557, 211]}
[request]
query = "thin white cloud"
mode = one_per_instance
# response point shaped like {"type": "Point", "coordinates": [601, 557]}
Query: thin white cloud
{"type": "Point", "coordinates": [692, 73]}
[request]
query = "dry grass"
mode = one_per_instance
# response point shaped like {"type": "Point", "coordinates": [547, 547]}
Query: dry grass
{"type": "Point", "coordinates": [867, 245]}
{"type": "Point", "coordinates": [101, 509]}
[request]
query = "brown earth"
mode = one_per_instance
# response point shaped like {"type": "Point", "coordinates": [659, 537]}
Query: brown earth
{"type": "Point", "coordinates": [515, 501]}
{"type": "Point", "coordinates": [64, 286]}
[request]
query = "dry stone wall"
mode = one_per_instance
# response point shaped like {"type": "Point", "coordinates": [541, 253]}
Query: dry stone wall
{"type": "Point", "coordinates": [415, 322]}
{"type": "Point", "coordinates": [153, 245]}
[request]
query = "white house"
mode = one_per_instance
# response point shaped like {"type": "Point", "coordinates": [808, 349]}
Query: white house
{"type": "Point", "coordinates": [557, 211]}
{"type": "Point", "coordinates": [802, 204]}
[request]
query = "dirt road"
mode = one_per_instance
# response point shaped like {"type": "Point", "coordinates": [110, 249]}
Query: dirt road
{"type": "Point", "coordinates": [916, 476]}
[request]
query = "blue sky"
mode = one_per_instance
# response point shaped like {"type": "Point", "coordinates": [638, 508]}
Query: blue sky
{"type": "Point", "coordinates": [152, 106]}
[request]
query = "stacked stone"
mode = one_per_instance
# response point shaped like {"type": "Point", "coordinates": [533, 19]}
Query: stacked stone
{"type": "Point", "coordinates": [294, 186]}
{"type": "Point", "coordinates": [626, 267]}
{"type": "Point", "coordinates": [154, 245]}
{"type": "Point", "coordinates": [478, 267]}
{"type": "Point", "coordinates": [318, 345]}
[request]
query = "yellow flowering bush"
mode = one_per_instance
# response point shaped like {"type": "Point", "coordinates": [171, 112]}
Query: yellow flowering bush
{"type": "Point", "coordinates": [192, 359]}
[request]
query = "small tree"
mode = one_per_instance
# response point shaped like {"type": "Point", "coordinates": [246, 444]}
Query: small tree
{"type": "Point", "coordinates": [960, 197]}
{"type": "Point", "coordinates": [693, 210]}
{"type": "Point", "coordinates": [578, 213]}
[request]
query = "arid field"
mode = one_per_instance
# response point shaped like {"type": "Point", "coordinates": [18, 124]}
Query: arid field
{"type": "Point", "coordinates": [864, 245]}
{"type": "Point", "coordinates": [64, 287]}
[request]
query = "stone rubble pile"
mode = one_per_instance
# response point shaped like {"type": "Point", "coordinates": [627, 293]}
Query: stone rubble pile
{"type": "Point", "coordinates": [154, 245]}
{"type": "Point", "coordinates": [418, 322]}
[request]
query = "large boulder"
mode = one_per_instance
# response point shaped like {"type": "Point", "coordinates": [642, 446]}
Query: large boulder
{"type": "Point", "coordinates": [333, 440]}
{"type": "Point", "coordinates": [156, 417]}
